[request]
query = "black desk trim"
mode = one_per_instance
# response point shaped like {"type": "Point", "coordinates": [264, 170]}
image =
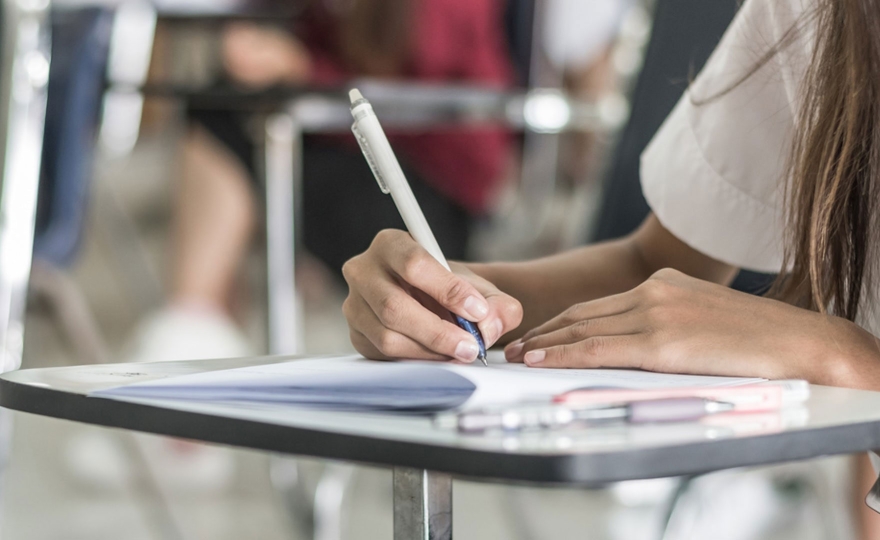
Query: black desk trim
{"type": "Point", "coordinates": [591, 469]}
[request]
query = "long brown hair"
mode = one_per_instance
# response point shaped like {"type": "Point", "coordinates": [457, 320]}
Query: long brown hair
{"type": "Point", "coordinates": [375, 35]}
{"type": "Point", "coordinates": [832, 194]}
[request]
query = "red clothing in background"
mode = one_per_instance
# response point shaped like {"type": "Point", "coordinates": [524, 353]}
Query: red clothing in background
{"type": "Point", "coordinates": [453, 41]}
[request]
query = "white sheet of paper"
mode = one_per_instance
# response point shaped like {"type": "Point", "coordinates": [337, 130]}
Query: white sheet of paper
{"type": "Point", "coordinates": [401, 386]}
{"type": "Point", "coordinates": [504, 383]}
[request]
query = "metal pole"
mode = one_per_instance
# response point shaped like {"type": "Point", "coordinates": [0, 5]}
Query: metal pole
{"type": "Point", "coordinates": [422, 505]}
{"type": "Point", "coordinates": [320, 517]}
{"type": "Point", "coordinates": [25, 84]}
{"type": "Point", "coordinates": [283, 170]}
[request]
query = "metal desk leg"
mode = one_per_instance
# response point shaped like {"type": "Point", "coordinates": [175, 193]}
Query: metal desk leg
{"type": "Point", "coordinates": [283, 148]}
{"type": "Point", "coordinates": [422, 505]}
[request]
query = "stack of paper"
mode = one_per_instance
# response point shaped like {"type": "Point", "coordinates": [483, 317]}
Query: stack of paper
{"type": "Point", "coordinates": [354, 383]}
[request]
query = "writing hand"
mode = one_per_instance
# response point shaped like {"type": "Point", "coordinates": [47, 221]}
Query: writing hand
{"type": "Point", "coordinates": [400, 298]}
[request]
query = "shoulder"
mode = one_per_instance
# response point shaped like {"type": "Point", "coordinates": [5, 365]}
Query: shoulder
{"type": "Point", "coordinates": [713, 173]}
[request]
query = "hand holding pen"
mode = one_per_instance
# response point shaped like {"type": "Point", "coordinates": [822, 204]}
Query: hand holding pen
{"type": "Point", "coordinates": [405, 300]}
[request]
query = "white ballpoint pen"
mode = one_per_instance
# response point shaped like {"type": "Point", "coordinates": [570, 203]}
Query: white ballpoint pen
{"type": "Point", "coordinates": [379, 155]}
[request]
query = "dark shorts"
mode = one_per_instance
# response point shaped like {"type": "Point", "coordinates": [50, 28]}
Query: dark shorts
{"type": "Point", "coordinates": [342, 206]}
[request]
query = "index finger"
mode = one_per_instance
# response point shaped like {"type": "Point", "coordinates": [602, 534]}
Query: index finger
{"type": "Point", "coordinates": [418, 268]}
{"type": "Point", "coordinates": [603, 307]}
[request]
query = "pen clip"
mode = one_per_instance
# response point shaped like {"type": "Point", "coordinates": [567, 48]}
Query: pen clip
{"type": "Point", "coordinates": [371, 160]}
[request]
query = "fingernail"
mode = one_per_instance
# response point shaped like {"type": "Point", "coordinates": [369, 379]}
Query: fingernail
{"type": "Point", "coordinates": [476, 308]}
{"type": "Point", "coordinates": [535, 357]}
{"type": "Point", "coordinates": [493, 332]}
{"type": "Point", "coordinates": [467, 350]}
{"type": "Point", "coordinates": [512, 351]}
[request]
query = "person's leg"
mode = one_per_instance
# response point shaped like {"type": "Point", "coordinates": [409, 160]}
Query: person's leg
{"type": "Point", "coordinates": [214, 219]}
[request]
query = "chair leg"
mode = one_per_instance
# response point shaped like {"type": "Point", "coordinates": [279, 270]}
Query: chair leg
{"type": "Point", "coordinates": [70, 310]}
{"type": "Point", "coordinates": [157, 509]}
{"type": "Point", "coordinates": [286, 478]}
{"type": "Point", "coordinates": [673, 505]}
{"type": "Point", "coordinates": [518, 516]}
{"type": "Point", "coordinates": [329, 498]}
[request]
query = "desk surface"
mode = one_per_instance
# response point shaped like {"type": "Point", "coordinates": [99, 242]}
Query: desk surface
{"type": "Point", "coordinates": [833, 421]}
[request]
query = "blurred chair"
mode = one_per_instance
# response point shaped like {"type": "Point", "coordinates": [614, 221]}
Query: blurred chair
{"type": "Point", "coordinates": [80, 48]}
{"type": "Point", "coordinates": [76, 83]}
{"type": "Point", "coordinates": [80, 45]}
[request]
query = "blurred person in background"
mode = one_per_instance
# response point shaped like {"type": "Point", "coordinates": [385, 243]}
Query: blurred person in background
{"type": "Point", "coordinates": [454, 173]}
{"type": "Point", "coordinates": [579, 39]}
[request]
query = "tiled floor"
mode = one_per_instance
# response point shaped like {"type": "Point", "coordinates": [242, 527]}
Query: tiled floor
{"type": "Point", "coordinates": [42, 500]}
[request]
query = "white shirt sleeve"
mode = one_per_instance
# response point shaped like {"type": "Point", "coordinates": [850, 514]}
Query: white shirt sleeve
{"type": "Point", "coordinates": [714, 173]}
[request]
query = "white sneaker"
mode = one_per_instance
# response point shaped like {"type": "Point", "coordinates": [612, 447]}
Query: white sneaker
{"type": "Point", "coordinates": [185, 334]}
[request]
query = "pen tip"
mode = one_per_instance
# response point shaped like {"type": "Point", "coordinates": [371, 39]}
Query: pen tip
{"type": "Point", "coordinates": [483, 360]}
{"type": "Point", "coordinates": [354, 94]}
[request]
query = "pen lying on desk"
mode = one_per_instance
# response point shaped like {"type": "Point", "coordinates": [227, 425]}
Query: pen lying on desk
{"type": "Point", "coordinates": [769, 395]}
{"type": "Point", "coordinates": [522, 417]}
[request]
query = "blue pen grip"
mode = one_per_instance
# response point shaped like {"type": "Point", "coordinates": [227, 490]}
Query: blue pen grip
{"type": "Point", "coordinates": [474, 331]}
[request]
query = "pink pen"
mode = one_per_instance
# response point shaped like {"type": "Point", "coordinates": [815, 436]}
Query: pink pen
{"type": "Point", "coordinates": [767, 396]}
{"type": "Point", "coordinates": [538, 417]}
